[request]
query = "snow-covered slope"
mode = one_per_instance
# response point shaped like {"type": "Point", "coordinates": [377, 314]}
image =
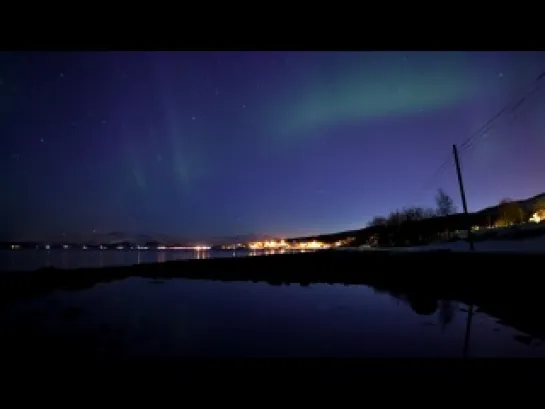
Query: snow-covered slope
{"type": "Point", "coordinates": [530, 245]}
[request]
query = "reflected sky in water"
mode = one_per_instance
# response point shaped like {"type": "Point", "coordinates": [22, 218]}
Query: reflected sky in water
{"type": "Point", "coordinates": [28, 260]}
{"type": "Point", "coordinates": [137, 317]}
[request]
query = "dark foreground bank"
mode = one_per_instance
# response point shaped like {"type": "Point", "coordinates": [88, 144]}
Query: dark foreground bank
{"type": "Point", "coordinates": [507, 286]}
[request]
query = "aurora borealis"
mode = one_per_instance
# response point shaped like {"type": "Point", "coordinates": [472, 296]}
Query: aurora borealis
{"type": "Point", "coordinates": [363, 89]}
{"type": "Point", "coordinates": [201, 144]}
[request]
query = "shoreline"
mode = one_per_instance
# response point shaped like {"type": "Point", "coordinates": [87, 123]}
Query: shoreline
{"type": "Point", "coordinates": [502, 285]}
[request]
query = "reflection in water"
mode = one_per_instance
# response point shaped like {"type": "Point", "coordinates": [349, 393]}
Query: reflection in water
{"type": "Point", "coordinates": [422, 305]}
{"type": "Point", "coordinates": [444, 313]}
{"type": "Point", "coordinates": [468, 330]}
{"type": "Point", "coordinates": [161, 256]}
{"type": "Point", "coordinates": [207, 318]}
{"type": "Point", "coordinates": [447, 310]}
{"type": "Point", "coordinates": [26, 260]}
{"type": "Point", "coordinates": [64, 259]}
{"type": "Point", "coordinates": [48, 259]}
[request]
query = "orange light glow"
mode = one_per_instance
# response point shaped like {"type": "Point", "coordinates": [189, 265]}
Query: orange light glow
{"type": "Point", "coordinates": [283, 245]}
{"type": "Point", "coordinates": [538, 216]}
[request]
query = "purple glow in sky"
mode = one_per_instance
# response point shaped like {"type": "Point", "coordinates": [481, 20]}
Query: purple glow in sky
{"type": "Point", "coordinates": [200, 144]}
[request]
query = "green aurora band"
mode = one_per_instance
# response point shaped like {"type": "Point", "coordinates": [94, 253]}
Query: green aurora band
{"type": "Point", "coordinates": [382, 88]}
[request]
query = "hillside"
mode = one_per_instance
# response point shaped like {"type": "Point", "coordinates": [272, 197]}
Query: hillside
{"type": "Point", "coordinates": [528, 205]}
{"type": "Point", "coordinates": [428, 227]}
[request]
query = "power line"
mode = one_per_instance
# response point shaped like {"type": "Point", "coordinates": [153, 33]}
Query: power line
{"type": "Point", "coordinates": [471, 143]}
{"type": "Point", "coordinates": [448, 161]}
{"type": "Point", "coordinates": [512, 107]}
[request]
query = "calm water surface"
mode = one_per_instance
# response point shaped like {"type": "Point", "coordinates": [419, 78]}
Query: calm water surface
{"type": "Point", "coordinates": [138, 317]}
{"type": "Point", "coordinates": [26, 260]}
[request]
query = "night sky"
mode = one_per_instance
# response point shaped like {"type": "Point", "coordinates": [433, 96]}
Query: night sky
{"type": "Point", "coordinates": [202, 144]}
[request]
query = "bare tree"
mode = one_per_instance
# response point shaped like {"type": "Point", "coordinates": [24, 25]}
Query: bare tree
{"type": "Point", "coordinates": [415, 213]}
{"type": "Point", "coordinates": [510, 213]}
{"type": "Point", "coordinates": [395, 218]}
{"type": "Point", "coordinates": [445, 204]}
{"type": "Point", "coordinates": [378, 221]}
{"type": "Point", "coordinates": [428, 212]}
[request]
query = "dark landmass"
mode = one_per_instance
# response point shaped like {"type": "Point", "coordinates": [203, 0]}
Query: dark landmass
{"type": "Point", "coordinates": [501, 285]}
{"type": "Point", "coordinates": [410, 226]}
{"type": "Point", "coordinates": [427, 230]}
{"type": "Point", "coordinates": [113, 239]}
{"type": "Point", "coordinates": [29, 245]}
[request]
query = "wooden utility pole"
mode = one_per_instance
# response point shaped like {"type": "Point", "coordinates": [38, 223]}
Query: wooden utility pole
{"type": "Point", "coordinates": [468, 331]}
{"type": "Point", "coordinates": [463, 195]}
{"type": "Point", "coordinates": [471, 245]}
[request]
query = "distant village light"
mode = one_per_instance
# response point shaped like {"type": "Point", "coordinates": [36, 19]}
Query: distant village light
{"type": "Point", "coordinates": [538, 216]}
{"type": "Point", "coordinates": [283, 245]}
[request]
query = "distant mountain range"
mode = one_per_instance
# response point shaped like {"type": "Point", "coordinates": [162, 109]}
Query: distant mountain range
{"type": "Point", "coordinates": [160, 239]}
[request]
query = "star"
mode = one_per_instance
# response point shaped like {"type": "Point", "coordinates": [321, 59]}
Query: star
{"type": "Point", "coordinates": [42, 140]}
{"type": "Point", "coordinates": [243, 106]}
{"type": "Point", "coordinates": [500, 74]}
{"type": "Point", "coordinates": [61, 75]}
{"type": "Point", "coordinates": [193, 118]}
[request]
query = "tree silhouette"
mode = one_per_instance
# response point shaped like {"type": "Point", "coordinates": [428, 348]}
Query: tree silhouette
{"type": "Point", "coordinates": [445, 204]}
{"type": "Point", "coordinates": [422, 305]}
{"type": "Point", "coordinates": [378, 221]}
{"type": "Point", "coordinates": [414, 213]}
{"type": "Point", "coordinates": [446, 312]}
{"type": "Point", "coordinates": [510, 212]}
{"type": "Point", "coordinates": [395, 218]}
{"type": "Point", "coordinates": [539, 205]}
